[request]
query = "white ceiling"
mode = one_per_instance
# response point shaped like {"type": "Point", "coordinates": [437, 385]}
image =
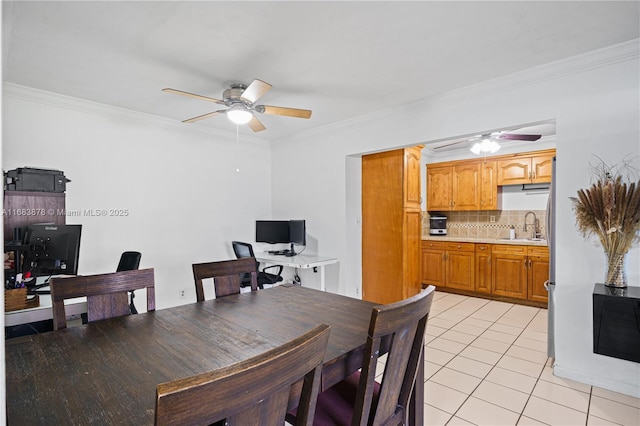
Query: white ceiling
{"type": "Point", "coordinates": [339, 59]}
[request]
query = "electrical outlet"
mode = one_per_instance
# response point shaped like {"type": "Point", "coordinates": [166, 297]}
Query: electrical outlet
{"type": "Point", "coordinates": [492, 219]}
{"type": "Point", "coordinates": [182, 293]}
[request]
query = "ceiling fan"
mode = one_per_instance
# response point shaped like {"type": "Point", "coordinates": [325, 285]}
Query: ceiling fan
{"type": "Point", "coordinates": [240, 100]}
{"type": "Point", "coordinates": [493, 136]}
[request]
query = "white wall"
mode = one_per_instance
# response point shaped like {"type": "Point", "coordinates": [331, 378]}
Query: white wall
{"type": "Point", "coordinates": [185, 200]}
{"type": "Point", "coordinates": [595, 101]}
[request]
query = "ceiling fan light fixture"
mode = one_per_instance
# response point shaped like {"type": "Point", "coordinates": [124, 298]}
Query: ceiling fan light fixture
{"type": "Point", "coordinates": [239, 115]}
{"type": "Point", "coordinates": [486, 145]}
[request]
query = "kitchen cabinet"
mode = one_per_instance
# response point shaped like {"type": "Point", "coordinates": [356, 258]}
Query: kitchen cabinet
{"type": "Point", "coordinates": [537, 273]}
{"type": "Point", "coordinates": [509, 270]}
{"type": "Point", "coordinates": [391, 225]}
{"type": "Point", "coordinates": [526, 168]}
{"type": "Point", "coordinates": [483, 268]}
{"type": "Point", "coordinates": [462, 186]}
{"type": "Point", "coordinates": [447, 264]}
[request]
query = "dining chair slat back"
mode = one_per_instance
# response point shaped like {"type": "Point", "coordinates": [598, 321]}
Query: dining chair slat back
{"type": "Point", "coordinates": [252, 392]}
{"type": "Point", "coordinates": [227, 276]}
{"type": "Point", "coordinates": [107, 294]}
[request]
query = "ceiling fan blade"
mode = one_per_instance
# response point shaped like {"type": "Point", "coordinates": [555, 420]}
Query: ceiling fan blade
{"type": "Point", "coordinates": [192, 95]}
{"type": "Point", "coordinates": [256, 125]}
{"type": "Point", "coordinates": [517, 137]}
{"type": "Point", "coordinates": [256, 89]}
{"type": "Point", "coordinates": [203, 116]}
{"type": "Point", "coordinates": [289, 112]}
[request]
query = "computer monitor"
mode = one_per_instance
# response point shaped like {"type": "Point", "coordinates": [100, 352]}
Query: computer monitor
{"type": "Point", "coordinates": [272, 231]}
{"type": "Point", "coordinates": [52, 249]}
{"type": "Point", "coordinates": [297, 232]}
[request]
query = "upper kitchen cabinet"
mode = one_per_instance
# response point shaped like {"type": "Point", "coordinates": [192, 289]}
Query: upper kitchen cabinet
{"type": "Point", "coordinates": [532, 167]}
{"type": "Point", "coordinates": [462, 186]}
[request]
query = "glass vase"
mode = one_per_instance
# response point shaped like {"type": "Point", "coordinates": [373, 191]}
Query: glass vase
{"type": "Point", "coordinates": [616, 272]}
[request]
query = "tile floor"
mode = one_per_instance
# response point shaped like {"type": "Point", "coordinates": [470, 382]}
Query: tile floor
{"type": "Point", "coordinates": [486, 364]}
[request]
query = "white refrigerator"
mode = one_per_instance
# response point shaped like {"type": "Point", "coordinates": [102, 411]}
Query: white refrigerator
{"type": "Point", "coordinates": [550, 285]}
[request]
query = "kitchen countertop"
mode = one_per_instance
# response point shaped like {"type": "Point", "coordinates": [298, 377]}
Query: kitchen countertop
{"type": "Point", "coordinates": [486, 240]}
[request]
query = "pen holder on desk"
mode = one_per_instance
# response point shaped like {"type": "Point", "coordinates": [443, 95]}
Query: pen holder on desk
{"type": "Point", "coordinates": [16, 299]}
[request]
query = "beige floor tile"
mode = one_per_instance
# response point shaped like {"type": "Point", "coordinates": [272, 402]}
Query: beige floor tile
{"type": "Point", "coordinates": [490, 345]}
{"type": "Point", "coordinates": [528, 354]}
{"type": "Point", "coordinates": [474, 322]}
{"type": "Point", "coordinates": [614, 411]}
{"type": "Point", "coordinates": [552, 413]}
{"type": "Point", "coordinates": [511, 379]}
{"type": "Point", "coordinates": [535, 335]}
{"type": "Point", "coordinates": [457, 421]}
{"type": "Point", "coordinates": [458, 337]}
{"type": "Point", "coordinates": [508, 329]}
{"type": "Point", "coordinates": [499, 337]}
{"type": "Point", "coordinates": [480, 412]}
{"type": "Point", "coordinates": [434, 330]}
{"type": "Point", "coordinates": [461, 327]}
{"type": "Point", "coordinates": [615, 396]}
{"type": "Point", "coordinates": [451, 316]}
{"type": "Point", "coordinates": [501, 396]}
{"type": "Point", "coordinates": [561, 395]}
{"type": "Point", "coordinates": [547, 375]}
{"type": "Point", "coordinates": [482, 355]}
{"type": "Point", "coordinates": [536, 345]}
{"type": "Point", "coordinates": [435, 417]}
{"type": "Point", "coordinates": [443, 397]}
{"type": "Point", "coordinates": [437, 356]}
{"type": "Point", "coordinates": [596, 421]}
{"type": "Point", "coordinates": [447, 345]}
{"type": "Point", "coordinates": [529, 368]}
{"type": "Point", "coordinates": [441, 323]}
{"type": "Point", "coordinates": [456, 380]}
{"type": "Point", "coordinates": [430, 369]}
{"type": "Point", "coordinates": [528, 421]}
{"type": "Point", "coordinates": [469, 366]}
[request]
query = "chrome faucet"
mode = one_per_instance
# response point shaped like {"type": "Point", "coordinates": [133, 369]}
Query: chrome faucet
{"type": "Point", "coordinates": [535, 225]}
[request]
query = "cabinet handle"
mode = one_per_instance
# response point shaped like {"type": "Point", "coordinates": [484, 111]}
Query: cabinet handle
{"type": "Point", "coordinates": [524, 262]}
{"type": "Point", "coordinates": [533, 175]}
{"type": "Point", "coordinates": [489, 260]}
{"type": "Point", "coordinates": [458, 245]}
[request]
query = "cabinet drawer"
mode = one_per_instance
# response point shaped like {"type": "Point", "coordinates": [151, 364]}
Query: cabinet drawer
{"type": "Point", "coordinates": [483, 248]}
{"type": "Point", "coordinates": [471, 247]}
{"type": "Point", "coordinates": [509, 249]}
{"type": "Point", "coordinates": [538, 251]}
{"type": "Point", "coordinates": [434, 245]}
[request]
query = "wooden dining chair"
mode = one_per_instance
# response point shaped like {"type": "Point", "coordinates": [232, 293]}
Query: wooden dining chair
{"type": "Point", "coordinates": [227, 276]}
{"type": "Point", "coordinates": [107, 294]}
{"type": "Point", "coordinates": [359, 400]}
{"type": "Point", "coordinates": [251, 392]}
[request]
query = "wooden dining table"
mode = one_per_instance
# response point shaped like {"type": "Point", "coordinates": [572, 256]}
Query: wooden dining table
{"type": "Point", "coordinates": [106, 372]}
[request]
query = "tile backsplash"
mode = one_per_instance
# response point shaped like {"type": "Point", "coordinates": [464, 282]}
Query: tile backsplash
{"type": "Point", "coordinates": [490, 224]}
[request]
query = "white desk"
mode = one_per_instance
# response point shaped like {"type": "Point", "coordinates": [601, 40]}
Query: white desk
{"type": "Point", "coordinates": [75, 306]}
{"type": "Point", "coordinates": [301, 261]}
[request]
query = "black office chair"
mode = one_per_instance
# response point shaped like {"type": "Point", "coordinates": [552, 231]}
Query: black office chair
{"type": "Point", "coordinates": [129, 261]}
{"type": "Point", "coordinates": [243, 250]}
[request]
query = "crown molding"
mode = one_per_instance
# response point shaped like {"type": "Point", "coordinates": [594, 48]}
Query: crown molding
{"type": "Point", "coordinates": [11, 90]}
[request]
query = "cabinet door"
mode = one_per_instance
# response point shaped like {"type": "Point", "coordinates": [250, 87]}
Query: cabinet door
{"type": "Point", "coordinates": [460, 268]}
{"type": "Point", "coordinates": [509, 268]}
{"type": "Point", "coordinates": [537, 273]}
{"type": "Point", "coordinates": [483, 268]}
{"type": "Point", "coordinates": [489, 191]}
{"type": "Point", "coordinates": [433, 267]}
{"type": "Point", "coordinates": [466, 186]}
{"type": "Point", "coordinates": [439, 188]}
{"type": "Point", "coordinates": [514, 171]}
{"type": "Point", "coordinates": [541, 168]}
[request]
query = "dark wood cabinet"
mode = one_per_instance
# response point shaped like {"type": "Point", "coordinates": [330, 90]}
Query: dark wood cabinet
{"type": "Point", "coordinates": [23, 208]}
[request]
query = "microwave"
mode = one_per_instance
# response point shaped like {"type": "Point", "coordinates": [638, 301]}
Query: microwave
{"type": "Point", "coordinates": [438, 225]}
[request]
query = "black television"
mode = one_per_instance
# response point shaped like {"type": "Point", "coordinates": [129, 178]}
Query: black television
{"type": "Point", "coordinates": [51, 249]}
{"type": "Point", "coordinates": [282, 231]}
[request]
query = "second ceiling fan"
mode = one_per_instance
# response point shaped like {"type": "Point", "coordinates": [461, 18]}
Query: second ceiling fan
{"type": "Point", "coordinates": [240, 100]}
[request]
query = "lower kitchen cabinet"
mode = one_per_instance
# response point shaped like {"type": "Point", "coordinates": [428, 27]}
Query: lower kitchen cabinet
{"type": "Point", "coordinates": [483, 268]}
{"type": "Point", "coordinates": [537, 273]}
{"type": "Point", "coordinates": [447, 264]}
{"type": "Point", "coordinates": [509, 270]}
